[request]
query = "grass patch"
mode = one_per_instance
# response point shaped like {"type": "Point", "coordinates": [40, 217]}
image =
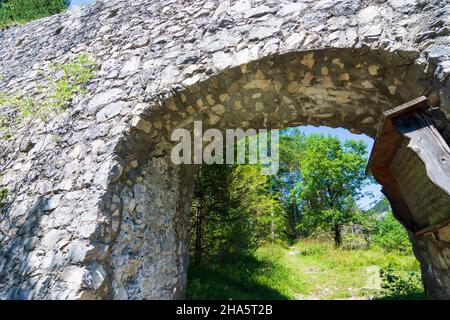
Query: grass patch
{"type": "Point", "coordinates": [344, 274]}
{"type": "Point", "coordinates": [264, 275]}
{"type": "Point", "coordinates": [310, 269]}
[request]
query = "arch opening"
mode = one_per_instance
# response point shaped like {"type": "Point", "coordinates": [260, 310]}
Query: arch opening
{"type": "Point", "coordinates": [348, 88]}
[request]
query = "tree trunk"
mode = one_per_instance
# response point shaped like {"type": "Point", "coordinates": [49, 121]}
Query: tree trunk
{"type": "Point", "coordinates": [272, 227]}
{"type": "Point", "coordinates": [198, 235]}
{"type": "Point", "coordinates": [294, 206]}
{"type": "Point", "coordinates": [337, 235]}
{"type": "Point", "coordinates": [295, 215]}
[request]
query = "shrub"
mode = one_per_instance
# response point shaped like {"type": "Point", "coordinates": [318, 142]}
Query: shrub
{"type": "Point", "coordinates": [401, 285]}
{"type": "Point", "coordinates": [391, 235]}
{"type": "Point", "coordinates": [51, 95]}
{"type": "Point", "coordinates": [3, 195]}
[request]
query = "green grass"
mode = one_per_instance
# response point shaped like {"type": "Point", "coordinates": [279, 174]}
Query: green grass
{"type": "Point", "coordinates": [264, 275]}
{"type": "Point", "coordinates": [308, 270]}
{"type": "Point", "coordinates": [343, 274]}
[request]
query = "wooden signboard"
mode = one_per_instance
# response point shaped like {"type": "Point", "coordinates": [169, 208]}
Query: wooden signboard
{"type": "Point", "coordinates": [411, 160]}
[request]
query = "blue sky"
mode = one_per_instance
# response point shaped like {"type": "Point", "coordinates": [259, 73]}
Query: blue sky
{"type": "Point", "coordinates": [77, 3]}
{"type": "Point", "coordinates": [367, 201]}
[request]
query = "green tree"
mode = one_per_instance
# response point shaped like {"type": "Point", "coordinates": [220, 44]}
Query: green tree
{"type": "Point", "coordinates": [209, 200]}
{"type": "Point", "coordinates": [284, 184]}
{"type": "Point", "coordinates": [332, 175]}
{"type": "Point", "coordinates": [14, 12]}
{"type": "Point", "coordinates": [250, 196]}
{"type": "Point", "coordinates": [232, 212]}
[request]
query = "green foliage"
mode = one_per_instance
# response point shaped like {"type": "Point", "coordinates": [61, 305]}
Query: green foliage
{"type": "Point", "coordinates": [232, 212]}
{"type": "Point", "coordinates": [262, 275]}
{"type": "Point", "coordinates": [284, 184]}
{"type": "Point", "coordinates": [248, 191]}
{"type": "Point", "coordinates": [332, 174]}
{"type": "Point", "coordinates": [401, 285]}
{"type": "Point", "coordinates": [391, 235]}
{"type": "Point", "coordinates": [235, 210]}
{"type": "Point", "coordinates": [342, 259]}
{"type": "Point", "coordinates": [310, 269]}
{"type": "Point", "coordinates": [13, 12]}
{"type": "Point", "coordinates": [51, 95]}
{"type": "Point", "coordinates": [319, 182]}
{"type": "Point", "coordinates": [3, 195]}
{"type": "Point", "coordinates": [74, 75]}
{"type": "Point", "coordinates": [339, 269]}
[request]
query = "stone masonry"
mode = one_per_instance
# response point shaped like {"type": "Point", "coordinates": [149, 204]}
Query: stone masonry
{"type": "Point", "coordinates": [96, 209]}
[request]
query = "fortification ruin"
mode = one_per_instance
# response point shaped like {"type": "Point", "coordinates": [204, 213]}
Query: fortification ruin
{"type": "Point", "coordinates": [96, 209]}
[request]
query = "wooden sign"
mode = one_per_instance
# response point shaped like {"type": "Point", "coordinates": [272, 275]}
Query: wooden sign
{"type": "Point", "coordinates": [411, 160]}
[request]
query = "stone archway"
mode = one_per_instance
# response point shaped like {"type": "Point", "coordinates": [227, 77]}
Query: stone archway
{"type": "Point", "coordinates": [100, 212]}
{"type": "Point", "coordinates": [347, 88]}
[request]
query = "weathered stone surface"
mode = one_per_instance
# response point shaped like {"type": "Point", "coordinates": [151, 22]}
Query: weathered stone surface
{"type": "Point", "coordinates": [96, 209]}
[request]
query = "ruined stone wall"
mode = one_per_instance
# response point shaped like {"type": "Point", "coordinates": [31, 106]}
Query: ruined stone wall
{"type": "Point", "coordinates": [96, 209]}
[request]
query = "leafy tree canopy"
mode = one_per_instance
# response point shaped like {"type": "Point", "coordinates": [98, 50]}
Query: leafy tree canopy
{"type": "Point", "coordinates": [232, 212]}
{"type": "Point", "coordinates": [13, 12]}
{"type": "Point", "coordinates": [332, 175]}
